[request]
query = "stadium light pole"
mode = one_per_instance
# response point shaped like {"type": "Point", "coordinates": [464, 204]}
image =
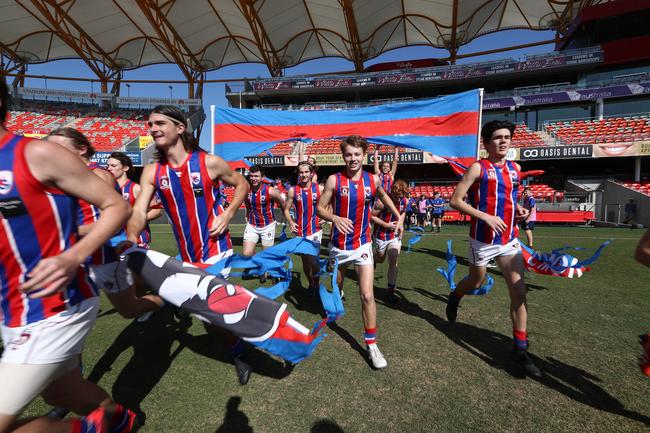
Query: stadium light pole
{"type": "Point", "coordinates": [128, 89]}
{"type": "Point", "coordinates": [212, 129]}
{"type": "Point", "coordinates": [171, 92]}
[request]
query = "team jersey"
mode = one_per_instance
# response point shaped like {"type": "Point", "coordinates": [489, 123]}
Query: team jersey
{"type": "Point", "coordinates": [353, 200]}
{"type": "Point", "coordinates": [530, 204]}
{"type": "Point", "coordinates": [128, 193]}
{"type": "Point", "coordinates": [495, 193]}
{"type": "Point", "coordinates": [386, 181]}
{"type": "Point", "coordinates": [192, 201]}
{"type": "Point", "coordinates": [259, 206]}
{"type": "Point", "coordinates": [386, 215]}
{"type": "Point", "coordinates": [88, 214]}
{"type": "Point", "coordinates": [305, 201]}
{"type": "Point", "coordinates": [36, 222]}
{"type": "Point", "coordinates": [438, 206]}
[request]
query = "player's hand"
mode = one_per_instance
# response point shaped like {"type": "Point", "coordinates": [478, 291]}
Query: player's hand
{"type": "Point", "coordinates": [219, 225]}
{"type": "Point", "coordinates": [344, 225]}
{"type": "Point", "coordinates": [522, 213]}
{"type": "Point", "coordinates": [293, 226]}
{"type": "Point", "coordinates": [399, 231]}
{"type": "Point", "coordinates": [50, 275]}
{"type": "Point", "coordinates": [390, 226]}
{"type": "Point", "coordinates": [495, 223]}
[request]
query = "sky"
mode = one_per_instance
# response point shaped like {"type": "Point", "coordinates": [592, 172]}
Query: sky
{"type": "Point", "coordinates": [214, 93]}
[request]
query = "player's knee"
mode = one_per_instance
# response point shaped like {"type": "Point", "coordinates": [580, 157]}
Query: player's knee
{"type": "Point", "coordinates": [367, 297]}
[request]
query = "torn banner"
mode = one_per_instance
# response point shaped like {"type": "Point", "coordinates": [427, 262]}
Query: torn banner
{"type": "Point", "coordinates": [558, 263]}
{"type": "Point", "coordinates": [261, 321]}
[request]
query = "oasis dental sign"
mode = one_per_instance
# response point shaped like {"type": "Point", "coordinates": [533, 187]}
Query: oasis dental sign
{"type": "Point", "coordinates": [556, 152]}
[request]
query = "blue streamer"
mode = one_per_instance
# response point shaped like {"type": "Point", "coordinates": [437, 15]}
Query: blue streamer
{"type": "Point", "coordinates": [417, 236]}
{"type": "Point", "coordinates": [448, 274]}
{"type": "Point", "coordinates": [332, 302]}
{"type": "Point", "coordinates": [283, 233]}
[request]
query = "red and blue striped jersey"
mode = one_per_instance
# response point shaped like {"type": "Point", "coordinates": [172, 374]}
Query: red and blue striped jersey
{"type": "Point", "coordinates": [259, 206]}
{"type": "Point", "coordinates": [386, 181]}
{"type": "Point", "coordinates": [36, 222]}
{"type": "Point", "coordinates": [128, 193]}
{"type": "Point", "coordinates": [495, 193]}
{"type": "Point", "coordinates": [88, 214]}
{"type": "Point", "coordinates": [353, 200]}
{"type": "Point", "coordinates": [305, 201]}
{"type": "Point", "coordinates": [192, 201]}
{"type": "Point", "coordinates": [387, 216]}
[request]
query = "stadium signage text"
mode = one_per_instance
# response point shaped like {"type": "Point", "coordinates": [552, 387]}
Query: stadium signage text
{"type": "Point", "coordinates": [102, 158]}
{"type": "Point", "coordinates": [152, 101]}
{"type": "Point", "coordinates": [404, 157]}
{"type": "Point", "coordinates": [267, 161]}
{"type": "Point", "coordinates": [559, 152]}
{"type": "Point", "coordinates": [54, 93]}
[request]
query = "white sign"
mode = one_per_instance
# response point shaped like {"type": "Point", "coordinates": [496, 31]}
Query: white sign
{"type": "Point", "coordinates": [153, 101]}
{"type": "Point", "coordinates": [28, 91]}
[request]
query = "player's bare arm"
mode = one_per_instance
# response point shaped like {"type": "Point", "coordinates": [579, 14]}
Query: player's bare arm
{"type": "Point", "coordinates": [344, 225]}
{"type": "Point", "coordinates": [71, 176]}
{"type": "Point", "coordinates": [219, 169]}
{"type": "Point", "coordinates": [388, 203]}
{"type": "Point", "coordinates": [138, 219]}
{"type": "Point", "coordinates": [287, 211]}
{"type": "Point", "coordinates": [457, 202]}
{"type": "Point", "coordinates": [393, 167]}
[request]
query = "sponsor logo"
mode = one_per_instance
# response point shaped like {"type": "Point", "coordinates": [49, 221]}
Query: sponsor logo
{"type": "Point", "coordinates": [164, 182]}
{"type": "Point", "coordinates": [6, 181]}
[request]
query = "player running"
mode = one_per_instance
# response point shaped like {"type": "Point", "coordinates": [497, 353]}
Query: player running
{"type": "Point", "coordinates": [437, 211]}
{"type": "Point", "coordinates": [259, 212]}
{"type": "Point", "coordinates": [352, 193]}
{"type": "Point", "coordinates": [528, 224]}
{"type": "Point", "coordinates": [492, 185]}
{"type": "Point", "coordinates": [303, 198]}
{"type": "Point", "coordinates": [187, 181]}
{"type": "Point", "coordinates": [386, 171]}
{"type": "Point", "coordinates": [387, 241]}
{"type": "Point", "coordinates": [48, 304]}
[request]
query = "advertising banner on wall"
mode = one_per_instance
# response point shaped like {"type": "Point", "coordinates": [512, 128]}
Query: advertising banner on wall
{"type": "Point", "coordinates": [267, 161]}
{"type": "Point", "coordinates": [632, 148]}
{"type": "Point", "coordinates": [102, 158]}
{"type": "Point", "coordinates": [555, 152]}
{"type": "Point", "coordinates": [513, 154]}
{"type": "Point", "coordinates": [403, 157]}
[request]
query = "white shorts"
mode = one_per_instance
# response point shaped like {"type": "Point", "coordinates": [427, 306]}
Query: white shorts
{"type": "Point", "coordinates": [479, 253]}
{"type": "Point", "coordinates": [267, 233]}
{"type": "Point", "coordinates": [22, 383]}
{"type": "Point", "coordinates": [112, 277]}
{"type": "Point", "coordinates": [50, 340]}
{"type": "Point", "coordinates": [382, 245]}
{"type": "Point", "coordinates": [360, 256]}
{"type": "Point", "coordinates": [316, 237]}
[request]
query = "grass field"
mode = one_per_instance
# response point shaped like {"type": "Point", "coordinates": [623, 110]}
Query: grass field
{"type": "Point", "coordinates": [440, 377]}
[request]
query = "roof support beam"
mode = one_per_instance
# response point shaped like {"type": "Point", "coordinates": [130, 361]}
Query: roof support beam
{"type": "Point", "coordinates": [353, 34]}
{"type": "Point", "coordinates": [268, 52]}
{"type": "Point", "coordinates": [453, 45]}
{"type": "Point", "coordinates": [73, 34]}
{"type": "Point", "coordinates": [166, 32]}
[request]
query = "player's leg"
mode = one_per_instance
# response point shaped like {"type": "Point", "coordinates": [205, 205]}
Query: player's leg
{"type": "Point", "coordinates": [512, 267]}
{"type": "Point", "coordinates": [268, 236]}
{"type": "Point", "coordinates": [393, 251]}
{"type": "Point", "coordinates": [365, 274]}
{"type": "Point", "coordinates": [251, 236]}
{"type": "Point", "coordinates": [473, 281]}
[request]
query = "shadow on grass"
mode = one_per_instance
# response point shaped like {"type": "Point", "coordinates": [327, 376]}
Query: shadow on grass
{"type": "Point", "coordinates": [235, 421]}
{"type": "Point", "coordinates": [326, 426]}
{"type": "Point", "coordinates": [494, 349]}
{"type": "Point", "coordinates": [298, 297]}
{"type": "Point", "coordinates": [348, 338]}
{"type": "Point", "coordinates": [152, 343]}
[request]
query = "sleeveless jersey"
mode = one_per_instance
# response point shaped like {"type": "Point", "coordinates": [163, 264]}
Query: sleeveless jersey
{"type": "Point", "coordinates": [88, 214]}
{"type": "Point", "coordinates": [386, 215]}
{"type": "Point", "coordinates": [495, 193]}
{"type": "Point", "coordinates": [192, 201]}
{"type": "Point", "coordinates": [128, 193]}
{"type": "Point", "coordinates": [353, 200]}
{"type": "Point", "coordinates": [259, 207]}
{"type": "Point", "coordinates": [386, 181]}
{"type": "Point", "coordinates": [305, 201]}
{"type": "Point", "coordinates": [36, 222]}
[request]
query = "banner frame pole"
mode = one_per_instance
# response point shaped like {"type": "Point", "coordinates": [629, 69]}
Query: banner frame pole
{"type": "Point", "coordinates": [480, 119]}
{"type": "Point", "coordinates": [212, 108]}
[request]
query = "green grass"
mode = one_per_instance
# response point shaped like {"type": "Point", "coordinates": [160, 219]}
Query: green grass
{"type": "Point", "coordinates": [440, 378]}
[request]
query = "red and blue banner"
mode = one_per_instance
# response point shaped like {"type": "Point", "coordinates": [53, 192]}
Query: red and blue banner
{"type": "Point", "coordinates": [447, 127]}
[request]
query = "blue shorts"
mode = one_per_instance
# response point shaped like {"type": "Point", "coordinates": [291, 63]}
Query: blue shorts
{"type": "Point", "coordinates": [530, 225]}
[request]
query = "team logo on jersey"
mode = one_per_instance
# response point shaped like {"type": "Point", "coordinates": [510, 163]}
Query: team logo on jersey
{"type": "Point", "coordinates": [164, 182]}
{"type": "Point", "coordinates": [125, 196]}
{"type": "Point", "coordinates": [6, 181]}
{"type": "Point", "coordinates": [263, 198]}
{"type": "Point", "coordinates": [344, 191]}
{"type": "Point", "coordinates": [298, 197]}
{"type": "Point", "coordinates": [314, 196]}
{"type": "Point", "coordinates": [368, 192]}
{"type": "Point", "coordinates": [196, 178]}
{"type": "Point", "coordinates": [492, 174]}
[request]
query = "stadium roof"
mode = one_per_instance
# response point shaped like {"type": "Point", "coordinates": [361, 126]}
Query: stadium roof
{"type": "Point", "coordinates": [201, 35]}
